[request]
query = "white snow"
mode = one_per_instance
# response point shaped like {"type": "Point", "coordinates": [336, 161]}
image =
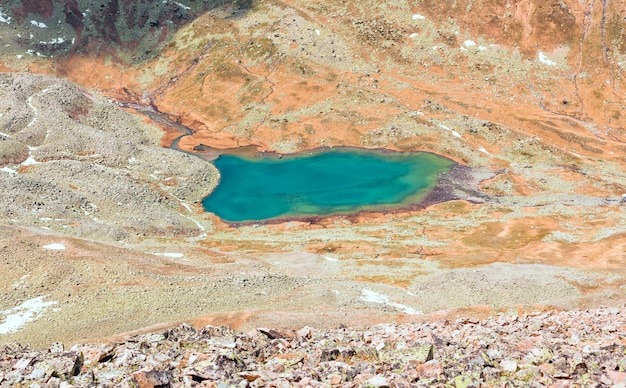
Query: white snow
{"type": "Point", "coordinates": [375, 297]}
{"type": "Point", "coordinates": [482, 48]}
{"type": "Point", "coordinates": [53, 41]}
{"type": "Point", "coordinates": [417, 16]}
{"type": "Point", "coordinates": [173, 255]}
{"type": "Point", "coordinates": [38, 24]}
{"type": "Point", "coordinates": [181, 5]}
{"type": "Point", "coordinates": [544, 59]}
{"type": "Point", "coordinates": [454, 133]}
{"type": "Point", "coordinates": [483, 150]}
{"type": "Point", "coordinates": [8, 170]}
{"type": "Point", "coordinates": [29, 102]}
{"type": "Point", "coordinates": [29, 162]}
{"type": "Point", "coordinates": [328, 258]}
{"type": "Point", "coordinates": [6, 135]}
{"type": "Point", "coordinates": [469, 43]}
{"type": "Point", "coordinates": [19, 282]}
{"type": "Point", "coordinates": [54, 247]}
{"type": "Point", "coordinates": [4, 18]}
{"type": "Point", "coordinates": [414, 35]}
{"type": "Point", "coordinates": [318, 32]}
{"type": "Point", "coordinates": [20, 315]}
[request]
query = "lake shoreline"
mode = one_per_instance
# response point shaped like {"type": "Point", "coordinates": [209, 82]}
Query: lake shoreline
{"type": "Point", "coordinates": [458, 183]}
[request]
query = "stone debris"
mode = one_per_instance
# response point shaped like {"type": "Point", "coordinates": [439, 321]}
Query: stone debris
{"type": "Point", "coordinates": [553, 349]}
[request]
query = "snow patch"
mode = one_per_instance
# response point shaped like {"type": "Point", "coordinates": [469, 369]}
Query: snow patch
{"type": "Point", "coordinates": [328, 258]}
{"type": "Point", "coordinates": [54, 247]}
{"type": "Point", "coordinates": [544, 59]}
{"type": "Point", "coordinates": [19, 282]}
{"type": "Point", "coordinates": [375, 297]}
{"type": "Point", "coordinates": [181, 5]}
{"type": "Point", "coordinates": [4, 18]}
{"type": "Point", "coordinates": [8, 170]}
{"type": "Point", "coordinates": [172, 255]}
{"type": "Point", "coordinates": [483, 150]}
{"type": "Point", "coordinates": [452, 131]}
{"type": "Point", "coordinates": [417, 16]}
{"type": "Point", "coordinates": [414, 35]}
{"type": "Point", "coordinates": [17, 317]}
{"type": "Point", "coordinates": [469, 43]}
{"type": "Point", "coordinates": [53, 41]}
{"type": "Point", "coordinates": [482, 48]}
{"type": "Point", "coordinates": [30, 161]}
{"type": "Point", "coordinates": [38, 24]}
{"type": "Point", "coordinates": [318, 32]}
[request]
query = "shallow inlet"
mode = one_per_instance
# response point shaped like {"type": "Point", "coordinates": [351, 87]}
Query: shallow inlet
{"type": "Point", "coordinates": [319, 184]}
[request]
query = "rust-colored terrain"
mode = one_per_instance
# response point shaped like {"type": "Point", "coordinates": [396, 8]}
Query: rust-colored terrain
{"type": "Point", "coordinates": [529, 95]}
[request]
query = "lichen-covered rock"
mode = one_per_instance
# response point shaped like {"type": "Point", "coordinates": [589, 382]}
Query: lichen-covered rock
{"type": "Point", "coordinates": [464, 353]}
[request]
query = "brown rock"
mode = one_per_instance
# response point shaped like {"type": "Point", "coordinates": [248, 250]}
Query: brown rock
{"type": "Point", "coordinates": [335, 380]}
{"type": "Point", "coordinates": [617, 377]}
{"type": "Point", "coordinates": [429, 370]}
{"type": "Point", "coordinates": [250, 376]}
{"type": "Point", "coordinates": [153, 378]}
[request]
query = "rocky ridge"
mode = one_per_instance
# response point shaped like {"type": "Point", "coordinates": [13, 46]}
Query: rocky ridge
{"type": "Point", "coordinates": [552, 349]}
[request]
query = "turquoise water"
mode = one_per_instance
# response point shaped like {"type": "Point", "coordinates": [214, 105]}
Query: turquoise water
{"type": "Point", "coordinates": [254, 189]}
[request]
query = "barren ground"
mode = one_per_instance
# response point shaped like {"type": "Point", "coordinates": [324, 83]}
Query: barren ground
{"type": "Point", "coordinates": [533, 109]}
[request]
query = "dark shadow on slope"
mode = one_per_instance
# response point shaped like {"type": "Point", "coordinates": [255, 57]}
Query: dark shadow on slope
{"type": "Point", "coordinates": [133, 30]}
